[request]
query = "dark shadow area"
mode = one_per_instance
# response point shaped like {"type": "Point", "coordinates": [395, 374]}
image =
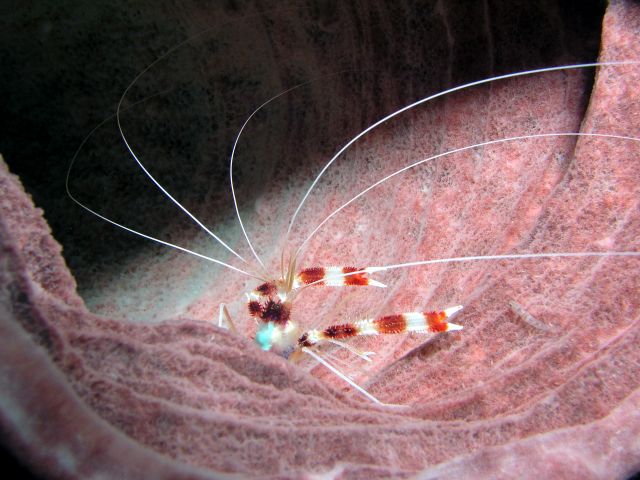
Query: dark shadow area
{"type": "Point", "coordinates": [13, 467]}
{"type": "Point", "coordinates": [65, 65]}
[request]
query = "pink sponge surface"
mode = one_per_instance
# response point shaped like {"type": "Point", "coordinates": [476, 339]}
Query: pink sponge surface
{"type": "Point", "coordinates": [543, 382]}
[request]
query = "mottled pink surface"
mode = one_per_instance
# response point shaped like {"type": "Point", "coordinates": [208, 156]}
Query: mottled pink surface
{"type": "Point", "coordinates": [85, 395]}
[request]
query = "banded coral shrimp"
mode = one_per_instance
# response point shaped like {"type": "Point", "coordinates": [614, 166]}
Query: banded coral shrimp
{"type": "Point", "coordinates": [364, 222]}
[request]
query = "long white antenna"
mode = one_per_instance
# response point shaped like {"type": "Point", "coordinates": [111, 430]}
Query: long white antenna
{"type": "Point", "coordinates": [148, 174]}
{"type": "Point", "coordinates": [476, 258]}
{"type": "Point", "coordinates": [102, 217]}
{"type": "Point", "coordinates": [344, 377]}
{"type": "Point", "coordinates": [440, 94]}
{"type": "Point", "coordinates": [235, 144]}
{"type": "Point", "coordinates": [514, 256]}
{"type": "Point", "coordinates": [119, 108]}
{"type": "Point", "coordinates": [233, 151]}
{"type": "Point", "coordinates": [451, 152]}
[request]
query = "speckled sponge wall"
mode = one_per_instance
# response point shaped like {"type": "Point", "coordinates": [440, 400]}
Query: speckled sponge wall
{"type": "Point", "coordinates": [111, 361]}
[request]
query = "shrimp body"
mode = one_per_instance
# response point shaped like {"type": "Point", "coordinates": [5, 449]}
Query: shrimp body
{"type": "Point", "coordinates": [420, 322]}
{"type": "Point", "coordinates": [271, 302]}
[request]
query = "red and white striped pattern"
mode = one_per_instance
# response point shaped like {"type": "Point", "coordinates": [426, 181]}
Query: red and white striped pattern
{"type": "Point", "coordinates": [335, 277]}
{"type": "Point", "coordinates": [422, 322]}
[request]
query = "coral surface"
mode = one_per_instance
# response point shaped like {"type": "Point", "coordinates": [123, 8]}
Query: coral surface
{"type": "Point", "coordinates": [542, 382]}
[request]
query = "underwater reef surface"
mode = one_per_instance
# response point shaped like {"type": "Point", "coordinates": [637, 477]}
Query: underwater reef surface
{"type": "Point", "coordinates": [542, 382]}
